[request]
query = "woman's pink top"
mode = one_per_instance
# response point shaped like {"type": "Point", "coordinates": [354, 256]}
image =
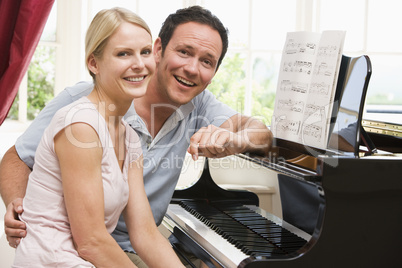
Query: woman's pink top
{"type": "Point", "coordinates": [49, 241]}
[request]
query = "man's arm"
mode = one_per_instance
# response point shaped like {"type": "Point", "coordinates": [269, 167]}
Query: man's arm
{"type": "Point", "coordinates": [254, 133]}
{"type": "Point", "coordinates": [238, 134]}
{"type": "Point", "coordinates": [13, 176]}
{"type": "Point", "coordinates": [13, 182]}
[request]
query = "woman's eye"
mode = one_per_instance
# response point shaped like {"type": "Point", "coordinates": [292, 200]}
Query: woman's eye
{"type": "Point", "coordinates": [122, 54]}
{"type": "Point", "coordinates": [147, 52]}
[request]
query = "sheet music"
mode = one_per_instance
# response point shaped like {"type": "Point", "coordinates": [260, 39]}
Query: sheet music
{"type": "Point", "coordinates": [306, 86]}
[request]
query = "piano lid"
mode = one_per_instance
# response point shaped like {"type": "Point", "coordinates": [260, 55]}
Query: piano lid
{"type": "Point", "coordinates": [345, 129]}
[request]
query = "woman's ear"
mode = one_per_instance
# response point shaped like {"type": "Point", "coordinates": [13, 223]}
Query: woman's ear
{"type": "Point", "coordinates": [157, 50]}
{"type": "Point", "coordinates": [92, 64]}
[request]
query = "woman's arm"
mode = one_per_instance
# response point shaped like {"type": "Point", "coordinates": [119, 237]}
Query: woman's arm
{"type": "Point", "coordinates": [83, 194]}
{"type": "Point", "coordinates": [153, 248]}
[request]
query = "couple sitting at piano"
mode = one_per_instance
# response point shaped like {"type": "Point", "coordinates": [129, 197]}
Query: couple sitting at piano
{"type": "Point", "coordinates": [91, 165]}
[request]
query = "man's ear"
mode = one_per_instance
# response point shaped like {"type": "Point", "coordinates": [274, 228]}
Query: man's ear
{"type": "Point", "coordinates": [92, 64]}
{"type": "Point", "coordinates": [158, 49]}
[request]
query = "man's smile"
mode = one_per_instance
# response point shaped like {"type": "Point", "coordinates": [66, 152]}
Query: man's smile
{"type": "Point", "coordinates": [184, 81]}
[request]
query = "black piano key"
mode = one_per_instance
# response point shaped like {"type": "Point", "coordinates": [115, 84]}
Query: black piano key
{"type": "Point", "coordinates": [237, 229]}
{"type": "Point", "coordinates": [264, 243]}
{"type": "Point", "coordinates": [273, 232]}
{"type": "Point", "coordinates": [227, 222]}
{"type": "Point", "coordinates": [256, 248]}
{"type": "Point", "coordinates": [242, 237]}
{"type": "Point", "coordinates": [245, 229]}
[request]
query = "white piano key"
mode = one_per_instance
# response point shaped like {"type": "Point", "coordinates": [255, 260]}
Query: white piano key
{"type": "Point", "coordinates": [219, 248]}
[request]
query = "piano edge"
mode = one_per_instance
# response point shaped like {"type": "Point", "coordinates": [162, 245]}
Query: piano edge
{"type": "Point", "coordinates": [174, 222]}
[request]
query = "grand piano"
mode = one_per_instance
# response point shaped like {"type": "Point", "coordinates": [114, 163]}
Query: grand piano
{"type": "Point", "coordinates": [358, 181]}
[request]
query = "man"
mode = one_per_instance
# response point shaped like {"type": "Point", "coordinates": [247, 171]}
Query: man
{"type": "Point", "coordinates": [176, 114]}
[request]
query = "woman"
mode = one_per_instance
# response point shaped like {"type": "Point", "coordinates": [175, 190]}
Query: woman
{"type": "Point", "coordinates": [88, 166]}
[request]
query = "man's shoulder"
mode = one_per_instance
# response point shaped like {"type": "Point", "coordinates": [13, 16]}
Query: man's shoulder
{"type": "Point", "coordinates": [203, 98]}
{"type": "Point", "coordinates": [209, 107]}
{"type": "Point", "coordinates": [67, 96]}
{"type": "Point", "coordinates": [80, 89]}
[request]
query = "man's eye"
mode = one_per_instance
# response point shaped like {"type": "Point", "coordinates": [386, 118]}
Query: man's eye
{"type": "Point", "coordinates": [208, 62]}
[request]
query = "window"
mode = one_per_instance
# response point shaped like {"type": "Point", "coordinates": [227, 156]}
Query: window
{"type": "Point", "coordinates": [372, 29]}
{"type": "Point", "coordinates": [248, 75]}
{"type": "Point", "coordinates": [37, 87]}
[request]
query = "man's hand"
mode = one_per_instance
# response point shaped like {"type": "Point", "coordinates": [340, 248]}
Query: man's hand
{"type": "Point", "coordinates": [238, 134]}
{"type": "Point", "coordinates": [13, 227]}
{"type": "Point", "coordinates": [215, 142]}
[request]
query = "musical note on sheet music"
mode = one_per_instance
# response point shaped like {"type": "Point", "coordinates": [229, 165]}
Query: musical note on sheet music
{"type": "Point", "coordinates": [294, 47]}
{"type": "Point", "coordinates": [298, 67]}
{"type": "Point", "coordinates": [295, 106]}
{"type": "Point", "coordinates": [311, 133]}
{"type": "Point", "coordinates": [306, 86]}
{"type": "Point", "coordinates": [287, 85]}
{"type": "Point", "coordinates": [328, 51]}
{"type": "Point", "coordinates": [288, 129]}
{"type": "Point", "coordinates": [323, 69]}
{"type": "Point", "coordinates": [320, 88]}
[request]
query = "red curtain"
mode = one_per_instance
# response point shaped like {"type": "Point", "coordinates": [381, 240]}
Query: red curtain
{"type": "Point", "coordinates": [21, 26]}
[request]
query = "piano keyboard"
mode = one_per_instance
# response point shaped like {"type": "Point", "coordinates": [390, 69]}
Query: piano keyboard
{"type": "Point", "coordinates": [231, 232]}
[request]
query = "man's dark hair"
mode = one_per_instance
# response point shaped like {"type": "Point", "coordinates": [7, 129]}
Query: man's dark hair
{"type": "Point", "coordinates": [193, 14]}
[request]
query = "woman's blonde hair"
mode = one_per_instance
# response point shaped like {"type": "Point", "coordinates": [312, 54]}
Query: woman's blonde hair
{"type": "Point", "coordinates": [103, 25]}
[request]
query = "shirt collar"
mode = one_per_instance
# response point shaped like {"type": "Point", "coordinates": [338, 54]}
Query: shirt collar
{"type": "Point", "coordinates": [135, 121]}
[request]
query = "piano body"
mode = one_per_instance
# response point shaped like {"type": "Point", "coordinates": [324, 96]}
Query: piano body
{"type": "Point", "coordinates": [360, 189]}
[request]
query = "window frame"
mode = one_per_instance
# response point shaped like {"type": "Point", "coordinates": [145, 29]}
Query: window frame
{"type": "Point", "coordinates": [70, 35]}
